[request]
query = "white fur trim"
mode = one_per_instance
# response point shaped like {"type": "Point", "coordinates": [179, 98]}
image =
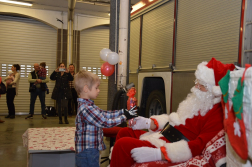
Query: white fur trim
{"type": "Point", "coordinates": [174, 119]}
{"type": "Point", "coordinates": [217, 100]}
{"type": "Point", "coordinates": [205, 74]}
{"type": "Point", "coordinates": [220, 162]}
{"type": "Point", "coordinates": [161, 119]}
{"type": "Point", "coordinates": [153, 138]}
{"type": "Point", "coordinates": [216, 90]}
{"type": "Point", "coordinates": [178, 151]}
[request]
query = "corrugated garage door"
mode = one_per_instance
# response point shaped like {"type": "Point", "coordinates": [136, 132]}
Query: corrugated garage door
{"type": "Point", "coordinates": [92, 41]}
{"type": "Point", "coordinates": [134, 51]}
{"type": "Point", "coordinates": [207, 29]}
{"type": "Point", "coordinates": [25, 41]}
{"type": "Point", "coordinates": [134, 44]}
{"type": "Point", "coordinates": [158, 36]}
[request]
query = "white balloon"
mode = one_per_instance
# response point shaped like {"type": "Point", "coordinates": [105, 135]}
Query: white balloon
{"type": "Point", "coordinates": [104, 53]}
{"type": "Point", "coordinates": [112, 58]}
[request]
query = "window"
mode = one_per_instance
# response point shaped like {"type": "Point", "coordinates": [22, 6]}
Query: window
{"type": "Point", "coordinates": [96, 71]}
{"type": "Point", "coordinates": [24, 70]}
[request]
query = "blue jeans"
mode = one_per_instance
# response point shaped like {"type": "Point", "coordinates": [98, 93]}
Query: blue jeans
{"type": "Point", "coordinates": [87, 158]}
{"type": "Point", "coordinates": [41, 94]}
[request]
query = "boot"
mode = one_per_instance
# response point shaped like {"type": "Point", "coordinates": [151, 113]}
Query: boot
{"type": "Point", "coordinates": [60, 120]}
{"type": "Point", "coordinates": [66, 121]}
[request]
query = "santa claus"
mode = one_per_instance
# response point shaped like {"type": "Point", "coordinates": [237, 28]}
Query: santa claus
{"type": "Point", "coordinates": [198, 119]}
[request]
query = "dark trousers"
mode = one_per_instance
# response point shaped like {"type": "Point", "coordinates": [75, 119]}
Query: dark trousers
{"type": "Point", "coordinates": [72, 103]}
{"type": "Point", "coordinates": [41, 94]}
{"type": "Point", "coordinates": [11, 93]}
{"type": "Point", "coordinates": [62, 107]}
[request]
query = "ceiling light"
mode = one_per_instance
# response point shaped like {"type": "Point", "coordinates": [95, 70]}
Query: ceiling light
{"type": "Point", "coordinates": [109, 14]}
{"type": "Point", "coordinates": [16, 2]}
{"type": "Point", "coordinates": [137, 6]}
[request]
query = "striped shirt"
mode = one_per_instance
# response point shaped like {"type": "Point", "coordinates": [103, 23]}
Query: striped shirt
{"type": "Point", "coordinates": [89, 122]}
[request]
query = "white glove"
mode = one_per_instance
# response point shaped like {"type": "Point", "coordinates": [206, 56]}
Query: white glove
{"type": "Point", "coordinates": [146, 154]}
{"type": "Point", "coordinates": [141, 123]}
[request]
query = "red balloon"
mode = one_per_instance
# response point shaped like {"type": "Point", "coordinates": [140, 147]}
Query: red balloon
{"type": "Point", "coordinates": [107, 69]}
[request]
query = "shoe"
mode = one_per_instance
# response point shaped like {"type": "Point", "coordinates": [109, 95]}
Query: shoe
{"type": "Point", "coordinates": [1, 121]}
{"type": "Point", "coordinates": [8, 116]}
{"type": "Point", "coordinates": [60, 120]}
{"type": "Point", "coordinates": [66, 121]}
{"type": "Point", "coordinates": [44, 116]}
{"type": "Point", "coordinates": [12, 116]}
{"type": "Point", "coordinates": [29, 117]}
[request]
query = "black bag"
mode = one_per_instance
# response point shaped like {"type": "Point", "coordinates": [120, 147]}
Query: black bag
{"type": "Point", "coordinates": [2, 88]}
{"type": "Point", "coordinates": [50, 111]}
{"type": "Point", "coordinates": [172, 134]}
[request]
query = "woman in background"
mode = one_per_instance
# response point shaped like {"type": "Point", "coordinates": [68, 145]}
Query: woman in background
{"type": "Point", "coordinates": [61, 92]}
{"type": "Point", "coordinates": [1, 121]}
{"type": "Point", "coordinates": [12, 90]}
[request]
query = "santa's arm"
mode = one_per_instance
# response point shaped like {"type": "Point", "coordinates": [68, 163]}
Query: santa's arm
{"type": "Point", "coordinates": [158, 122]}
{"type": "Point", "coordinates": [182, 150]}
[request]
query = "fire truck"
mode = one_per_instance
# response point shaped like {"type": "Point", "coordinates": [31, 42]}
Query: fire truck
{"type": "Point", "coordinates": [169, 38]}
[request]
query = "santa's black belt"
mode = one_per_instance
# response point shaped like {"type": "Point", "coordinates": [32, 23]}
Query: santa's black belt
{"type": "Point", "coordinates": [172, 134]}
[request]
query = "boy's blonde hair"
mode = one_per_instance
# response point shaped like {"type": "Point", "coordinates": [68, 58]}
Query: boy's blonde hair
{"type": "Point", "coordinates": [83, 78]}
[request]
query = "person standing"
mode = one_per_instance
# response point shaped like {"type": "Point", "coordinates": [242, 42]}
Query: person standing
{"type": "Point", "coordinates": [61, 92]}
{"type": "Point", "coordinates": [90, 120]}
{"type": "Point", "coordinates": [1, 121]}
{"type": "Point", "coordinates": [38, 90]}
{"type": "Point", "coordinates": [12, 90]}
{"type": "Point", "coordinates": [72, 103]}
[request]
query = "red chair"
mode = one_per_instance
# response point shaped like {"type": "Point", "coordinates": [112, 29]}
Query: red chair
{"type": "Point", "coordinates": [110, 132]}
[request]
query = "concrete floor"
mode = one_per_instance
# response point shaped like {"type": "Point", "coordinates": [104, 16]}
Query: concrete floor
{"type": "Point", "coordinates": [12, 152]}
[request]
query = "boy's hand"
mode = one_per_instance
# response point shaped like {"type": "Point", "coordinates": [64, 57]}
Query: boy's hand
{"type": "Point", "coordinates": [132, 113]}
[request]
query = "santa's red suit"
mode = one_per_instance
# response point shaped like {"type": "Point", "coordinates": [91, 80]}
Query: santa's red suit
{"type": "Point", "coordinates": [199, 120]}
{"type": "Point", "coordinates": [199, 130]}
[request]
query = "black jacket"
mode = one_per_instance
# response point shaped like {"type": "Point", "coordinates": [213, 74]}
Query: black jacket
{"type": "Point", "coordinates": [61, 84]}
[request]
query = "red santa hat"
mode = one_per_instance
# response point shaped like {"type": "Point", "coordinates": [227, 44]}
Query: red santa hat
{"type": "Point", "coordinates": [211, 73]}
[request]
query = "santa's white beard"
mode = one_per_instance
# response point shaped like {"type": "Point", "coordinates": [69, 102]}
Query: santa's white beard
{"type": "Point", "coordinates": [195, 103]}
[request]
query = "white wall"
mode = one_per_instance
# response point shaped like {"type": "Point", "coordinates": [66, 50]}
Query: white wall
{"type": "Point", "coordinates": [50, 17]}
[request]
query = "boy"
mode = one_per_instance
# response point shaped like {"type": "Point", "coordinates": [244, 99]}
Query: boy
{"type": "Point", "coordinates": [90, 120]}
{"type": "Point", "coordinates": [42, 75]}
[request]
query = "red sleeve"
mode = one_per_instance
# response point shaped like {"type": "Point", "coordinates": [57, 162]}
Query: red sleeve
{"type": "Point", "coordinates": [156, 123]}
{"type": "Point", "coordinates": [163, 150]}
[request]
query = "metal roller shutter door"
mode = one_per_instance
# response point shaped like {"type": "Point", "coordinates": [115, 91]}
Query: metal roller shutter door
{"type": "Point", "coordinates": [92, 40]}
{"type": "Point", "coordinates": [134, 44]}
{"type": "Point", "coordinates": [207, 29]}
{"type": "Point", "coordinates": [25, 41]}
{"type": "Point", "coordinates": [134, 51]}
{"type": "Point", "coordinates": [158, 36]}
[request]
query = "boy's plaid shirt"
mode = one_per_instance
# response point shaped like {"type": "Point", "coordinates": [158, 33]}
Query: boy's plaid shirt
{"type": "Point", "coordinates": [89, 122]}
